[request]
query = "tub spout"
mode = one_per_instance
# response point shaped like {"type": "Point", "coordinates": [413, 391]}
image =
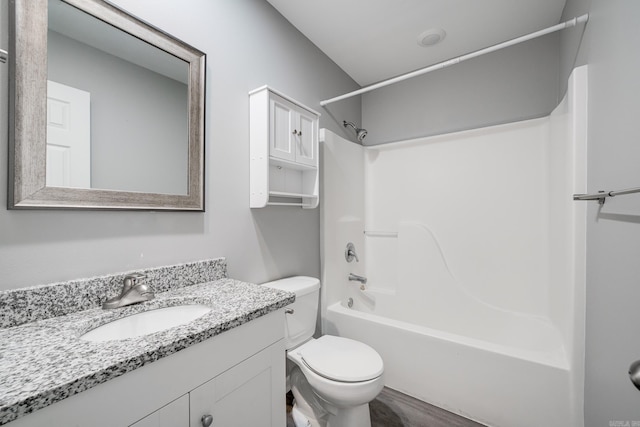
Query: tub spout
{"type": "Point", "coordinates": [355, 277]}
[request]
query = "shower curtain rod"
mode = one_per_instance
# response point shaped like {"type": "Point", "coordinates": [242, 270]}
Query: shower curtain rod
{"type": "Point", "coordinates": [567, 24]}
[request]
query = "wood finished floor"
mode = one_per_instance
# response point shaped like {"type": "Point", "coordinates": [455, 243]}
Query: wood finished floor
{"type": "Point", "coordinates": [394, 409]}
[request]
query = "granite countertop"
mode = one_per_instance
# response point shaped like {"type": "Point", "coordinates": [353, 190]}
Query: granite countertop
{"type": "Point", "coordinates": [45, 361]}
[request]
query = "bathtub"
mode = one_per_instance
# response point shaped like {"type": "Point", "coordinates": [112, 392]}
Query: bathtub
{"type": "Point", "coordinates": [514, 376]}
{"type": "Point", "coordinates": [474, 253]}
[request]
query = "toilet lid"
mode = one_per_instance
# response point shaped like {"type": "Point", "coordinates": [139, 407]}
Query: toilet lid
{"type": "Point", "coordinates": [342, 359]}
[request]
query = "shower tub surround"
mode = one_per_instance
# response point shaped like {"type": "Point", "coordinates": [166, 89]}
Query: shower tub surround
{"type": "Point", "coordinates": [474, 253]}
{"type": "Point", "coordinates": [43, 360]}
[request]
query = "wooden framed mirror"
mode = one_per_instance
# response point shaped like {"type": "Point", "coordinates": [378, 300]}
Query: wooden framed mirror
{"type": "Point", "coordinates": [106, 111]}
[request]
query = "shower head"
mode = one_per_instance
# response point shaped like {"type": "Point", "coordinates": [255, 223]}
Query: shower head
{"type": "Point", "coordinates": [360, 133]}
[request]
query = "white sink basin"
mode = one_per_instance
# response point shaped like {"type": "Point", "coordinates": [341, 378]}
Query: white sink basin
{"type": "Point", "coordinates": [146, 322]}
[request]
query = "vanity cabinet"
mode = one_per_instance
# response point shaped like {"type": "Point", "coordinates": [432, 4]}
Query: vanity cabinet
{"type": "Point", "coordinates": [241, 396]}
{"type": "Point", "coordinates": [175, 414]}
{"type": "Point", "coordinates": [227, 397]}
{"type": "Point", "coordinates": [237, 377]}
{"type": "Point", "coordinates": [283, 149]}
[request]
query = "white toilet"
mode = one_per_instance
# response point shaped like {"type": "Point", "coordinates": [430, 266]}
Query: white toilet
{"type": "Point", "coordinates": [333, 379]}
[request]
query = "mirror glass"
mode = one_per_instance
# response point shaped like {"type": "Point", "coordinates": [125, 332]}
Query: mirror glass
{"type": "Point", "coordinates": [106, 111]}
{"type": "Point", "coordinates": [117, 108]}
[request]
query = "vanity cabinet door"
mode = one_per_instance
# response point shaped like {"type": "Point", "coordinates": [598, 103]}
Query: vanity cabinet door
{"type": "Point", "coordinates": [175, 414]}
{"type": "Point", "coordinates": [251, 393]}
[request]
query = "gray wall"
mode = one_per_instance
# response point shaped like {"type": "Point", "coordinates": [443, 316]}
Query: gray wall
{"type": "Point", "coordinates": [139, 134]}
{"type": "Point", "coordinates": [513, 84]}
{"type": "Point", "coordinates": [571, 55]}
{"type": "Point", "coordinates": [610, 47]}
{"type": "Point", "coordinates": [248, 45]}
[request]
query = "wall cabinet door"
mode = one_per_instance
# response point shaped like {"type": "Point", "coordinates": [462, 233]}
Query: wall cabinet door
{"type": "Point", "coordinates": [251, 393]}
{"type": "Point", "coordinates": [175, 414]}
{"type": "Point", "coordinates": [282, 139]}
{"type": "Point", "coordinates": [307, 138]}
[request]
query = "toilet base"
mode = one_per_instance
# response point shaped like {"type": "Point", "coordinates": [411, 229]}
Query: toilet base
{"type": "Point", "coordinates": [345, 417]}
{"type": "Point", "coordinates": [300, 419]}
{"type": "Point", "coordinates": [310, 411]}
{"type": "Point", "coordinates": [313, 411]}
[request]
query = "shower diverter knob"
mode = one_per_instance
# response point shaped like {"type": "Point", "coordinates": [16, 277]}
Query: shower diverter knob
{"type": "Point", "coordinates": [350, 253]}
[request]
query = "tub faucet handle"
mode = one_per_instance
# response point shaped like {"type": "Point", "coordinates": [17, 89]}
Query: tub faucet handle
{"type": "Point", "coordinates": [350, 253]}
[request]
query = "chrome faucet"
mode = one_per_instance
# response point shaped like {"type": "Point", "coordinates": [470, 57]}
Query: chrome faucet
{"type": "Point", "coordinates": [356, 278]}
{"type": "Point", "coordinates": [132, 292]}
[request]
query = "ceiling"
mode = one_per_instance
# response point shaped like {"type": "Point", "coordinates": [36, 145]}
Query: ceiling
{"type": "Point", "coordinates": [373, 40]}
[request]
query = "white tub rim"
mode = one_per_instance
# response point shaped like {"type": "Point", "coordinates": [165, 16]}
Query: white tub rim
{"type": "Point", "coordinates": [557, 361]}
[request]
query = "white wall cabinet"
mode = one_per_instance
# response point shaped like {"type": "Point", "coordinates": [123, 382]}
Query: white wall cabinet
{"type": "Point", "coordinates": [237, 377]}
{"type": "Point", "coordinates": [284, 151]}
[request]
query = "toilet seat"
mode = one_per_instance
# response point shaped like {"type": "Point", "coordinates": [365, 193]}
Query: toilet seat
{"type": "Point", "coordinates": [341, 359]}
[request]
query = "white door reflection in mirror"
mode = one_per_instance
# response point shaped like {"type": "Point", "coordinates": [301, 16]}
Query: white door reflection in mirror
{"type": "Point", "coordinates": [68, 136]}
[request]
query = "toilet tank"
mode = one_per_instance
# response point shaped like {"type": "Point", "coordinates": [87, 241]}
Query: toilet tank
{"type": "Point", "coordinates": [301, 324]}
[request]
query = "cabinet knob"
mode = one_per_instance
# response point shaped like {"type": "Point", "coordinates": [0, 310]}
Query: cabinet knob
{"type": "Point", "coordinates": [295, 131]}
{"type": "Point", "coordinates": [206, 420]}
